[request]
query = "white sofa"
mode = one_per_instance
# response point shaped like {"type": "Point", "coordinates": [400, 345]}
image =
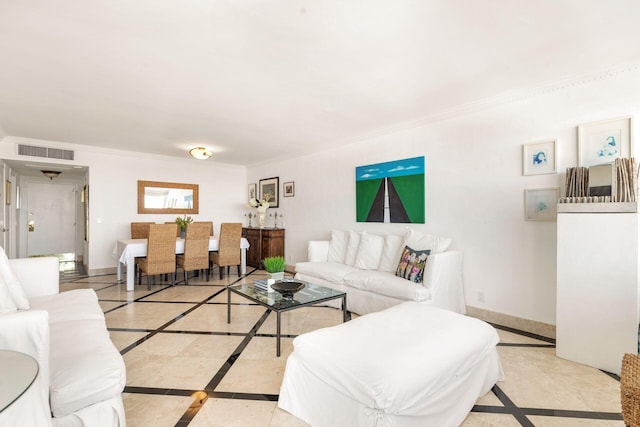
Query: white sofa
{"type": "Point", "coordinates": [364, 266]}
{"type": "Point", "coordinates": [81, 374]}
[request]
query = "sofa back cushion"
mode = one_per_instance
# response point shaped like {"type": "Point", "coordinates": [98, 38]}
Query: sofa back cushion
{"type": "Point", "coordinates": [352, 248]}
{"type": "Point", "coordinates": [412, 263]}
{"type": "Point", "coordinates": [369, 251]}
{"type": "Point", "coordinates": [391, 251]}
{"type": "Point", "coordinates": [338, 246]}
{"type": "Point", "coordinates": [7, 304]}
{"type": "Point", "coordinates": [421, 241]}
{"type": "Point", "coordinates": [12, 283]}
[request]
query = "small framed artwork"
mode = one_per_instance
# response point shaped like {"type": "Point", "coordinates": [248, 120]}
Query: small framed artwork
{"type": "Point", "coordinates": [269, 187]}
{"type": "Point", "coordinates": [251, 192]}
{"type": "Point", "coordinates": [540, 204]}
{"type": "Point", "coordinates": [7, 192]}
{"type": "Point", "coordinates": [539, 158]}
{"type": "Point", "coordinates": [288, 189]}
{"type": "Point", "coordinates": [604, 141]}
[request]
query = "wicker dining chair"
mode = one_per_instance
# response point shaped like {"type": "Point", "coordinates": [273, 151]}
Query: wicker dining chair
{"type": "Point", "coordinates": [161, 253]}
{"type": "Point", "coordinates": [209, 223]}
{"type": "Point", "coordinates": [176, 225]}
{"type": "Point", "coordinates": [140, 230]}
{"type": "Point", "coordinates": [196, 250]}
{"type": "Point", "coordinates": [228, 253]}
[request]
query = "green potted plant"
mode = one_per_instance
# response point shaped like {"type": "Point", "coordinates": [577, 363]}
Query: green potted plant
{"type": "Point", "coordinates": [182, 224]}
{"type": "Point", "coordinates": [275, 267]}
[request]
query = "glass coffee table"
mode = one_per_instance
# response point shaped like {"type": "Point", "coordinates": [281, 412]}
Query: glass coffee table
{"type": "Point", "coordinates": [274, 301]}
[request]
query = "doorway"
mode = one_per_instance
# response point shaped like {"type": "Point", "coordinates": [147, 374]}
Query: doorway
{"type": "Point", "coordinates": [51, 218]}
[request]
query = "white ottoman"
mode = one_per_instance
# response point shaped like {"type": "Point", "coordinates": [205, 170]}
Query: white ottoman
{"type": "Point", "coordinates": [409, 365]}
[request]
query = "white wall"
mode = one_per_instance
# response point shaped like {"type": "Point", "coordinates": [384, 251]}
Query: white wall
{"type": "Point", "coordinates": [474, 188]}
{"type": "Point", "coordinates": [112, 181]}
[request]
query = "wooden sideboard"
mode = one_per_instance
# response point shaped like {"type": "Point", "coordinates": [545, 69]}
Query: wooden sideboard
{"type": "Point", "coordinates": [263, 243]}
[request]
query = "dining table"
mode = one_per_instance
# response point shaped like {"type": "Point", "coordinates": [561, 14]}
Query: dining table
{"type": "Point", "coordinates": [127, 250]}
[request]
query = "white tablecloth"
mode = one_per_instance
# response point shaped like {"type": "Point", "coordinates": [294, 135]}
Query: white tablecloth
{"type": "Point", "coordinates": [125, 251]}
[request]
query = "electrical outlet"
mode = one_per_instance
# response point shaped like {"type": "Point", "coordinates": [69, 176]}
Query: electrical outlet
{"type": "Point", "coordinates": [480, 296]}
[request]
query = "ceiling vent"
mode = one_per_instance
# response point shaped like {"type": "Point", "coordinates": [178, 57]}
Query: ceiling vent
{"type": "Point", "coordinates": [49, 153]}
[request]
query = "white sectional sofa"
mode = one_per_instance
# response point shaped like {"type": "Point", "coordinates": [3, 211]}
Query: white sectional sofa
{"type": "Point", "coordinates": [81, 374]}
{"type": "Point", "coordinates": [364, 266]}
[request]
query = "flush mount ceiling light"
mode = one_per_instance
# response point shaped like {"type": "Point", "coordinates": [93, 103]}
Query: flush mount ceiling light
{"type": "Point", "coordinates": [51, 174]}
{"type": "Point", "coordinates": [200, 153]}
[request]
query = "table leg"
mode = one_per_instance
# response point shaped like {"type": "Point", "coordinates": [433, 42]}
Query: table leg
{"type": "Point", "coordinates": [119, 272]}
{"type": "Point", "coordinates": [131, 273]}
{"type": "Point", "coordinates": [228, 306]}
{"type": "Point", "coordinates": [278, 336]}
{"type": "Point", "coordinates": [243, 261]}
{"type": "Point", "coordinates": [344, 308]}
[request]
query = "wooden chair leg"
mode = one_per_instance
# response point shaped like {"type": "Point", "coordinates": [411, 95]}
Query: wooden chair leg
{"type": "Point", "coordinates": [173, 279]}
{"type": "Point", "coordinates": [238, 266]}
{"type": "Point", "coordinates": [148, 282]}
{"type": "Point", "coordinates": [220, 271]}
{"type": "Point", "coordinates": [206, 272]}
{"type": "Point", "coordinates": [186, 280]}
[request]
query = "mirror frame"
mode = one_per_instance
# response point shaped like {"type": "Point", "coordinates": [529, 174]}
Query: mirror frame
{"type": "Point", "coordinates": [142, 209]}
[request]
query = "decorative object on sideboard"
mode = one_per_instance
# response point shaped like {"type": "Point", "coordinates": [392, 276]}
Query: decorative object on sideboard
{"type": "Point", "coordinates": [577, 182]}
{"type": "Point", "coordinates": [615, 182]}
{"type": "Point", "coordinates": [539, 158]}
{"type": "Point", "coordinates": [261, 206]}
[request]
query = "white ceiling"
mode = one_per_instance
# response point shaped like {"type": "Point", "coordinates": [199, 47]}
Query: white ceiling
{"type": "Point", "coordinates": [258, 79]}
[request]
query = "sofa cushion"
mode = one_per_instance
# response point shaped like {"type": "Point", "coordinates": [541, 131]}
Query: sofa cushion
{"type": "Point", "coordinates": [338, 246]}
{"type": "Point", "coordinates": [391, 251]}
{"type": "Point", "coordinates": [12, 283]}
{"type": "Point", "coordinates": [85, 366]}
{"type": "Point", "coordinates": [387, 284]}
{"type": "Point", "coordinates": [419, 241]}
{"type": "Point", "coordinates": [411, 265]}
{"type": "Point", "coordinates": [369, 251]}
{"type": "Point", "coordinates": [352, 248]}
{"type": "Point", "coordinates": [331, 271]}
{"type": "Point", "coordinates": [77, 304]}
{"type": "Point", "coordinates": [7, 304]}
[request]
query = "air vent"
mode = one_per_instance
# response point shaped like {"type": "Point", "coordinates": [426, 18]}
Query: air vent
{"type": "Point", "coordinates": [50, 153]}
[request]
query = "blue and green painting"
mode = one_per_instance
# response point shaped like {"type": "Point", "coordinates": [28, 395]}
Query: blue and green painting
{"type": "Point", "coordinates": [391, 191]}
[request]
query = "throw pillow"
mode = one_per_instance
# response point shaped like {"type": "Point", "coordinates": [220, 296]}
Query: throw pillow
{"type": "Point", "coordinates": [7, 304]}
{"type": "Point", "coordinates": [412, 263]}
{"type": "Point", "coordinates": [338, 246]}
{"type": "Point", "coordinates": [12, 283]}
{"type": "Point", "coordinates": [393, 245]}
{"type": "Point", "coordinates": [421, 241]}
{"type": "Point", "coordinates": [352, 248]}
{"type": "Point", "coordinates": [369, 251]}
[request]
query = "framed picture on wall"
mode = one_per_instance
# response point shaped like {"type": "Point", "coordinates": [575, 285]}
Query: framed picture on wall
{"type": "Point", "coordinates": [288, 189]}
{"type": "Point", "coordinates": [539, 158]}
{"type": "Point", "coordinates": [269, 187]}
{"type": "Point", "coordinates": [540, 204]}
{"type": "Point", "coordinates": [604, 141]}
{"type": "Point", "coordinates": [251, 192]}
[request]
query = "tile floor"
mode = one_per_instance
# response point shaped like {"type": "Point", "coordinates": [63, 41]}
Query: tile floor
{"type": "Point", "coordinates": [176, 343]}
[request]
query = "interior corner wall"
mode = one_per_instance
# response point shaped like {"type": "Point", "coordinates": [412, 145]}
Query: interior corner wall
{"type": "Point", "coordinates": [474, 189]}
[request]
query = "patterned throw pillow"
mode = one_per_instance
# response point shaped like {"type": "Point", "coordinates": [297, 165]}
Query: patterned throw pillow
{"type": "Point", "coordinates": [411, 266]}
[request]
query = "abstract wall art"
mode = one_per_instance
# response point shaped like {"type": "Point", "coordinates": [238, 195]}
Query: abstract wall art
{"type": "Point", "coordinates": [391, 192]}
{"type": "Point", "coordinates": [603, 142]}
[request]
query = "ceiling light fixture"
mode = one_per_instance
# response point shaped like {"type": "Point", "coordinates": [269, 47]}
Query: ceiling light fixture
{"type": "Point", "coordinates": [51, 174]}
{"type": "Point", "coordinates": [200, 153]}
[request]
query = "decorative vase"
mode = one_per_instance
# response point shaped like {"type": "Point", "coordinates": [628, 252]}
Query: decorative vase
{"type": "Point", "coordinates": [262, 216]}
{"type": "Point", "coordinates": [183, 234]}
{"type": "Point", "coordinates": [276, 276]}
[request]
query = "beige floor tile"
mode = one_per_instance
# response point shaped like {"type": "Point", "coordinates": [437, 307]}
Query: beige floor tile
{"type": "Point", "coordinates": [213, 317]}
{"type": "Point", "coordinates": [305, 319]}
{"type": "Point", "coordinates": [254, 376]}
{"type": "Point", "coordinates": [120, 292]}
{"type": "Point", "coordinates": [572, 422]}
{"type": "Point", "coordinates": [284, 419]}
{"type": "Point", "coordinates": [536, 378]}
{"type": "Point", "coordinates": [109, 305]}
{"type": "Point", "coordinates": [191, 293]}
{"type": "Point", "coordinates": [489, 399]}
{"type": "Point", "coordinates": [478, 419]}
{"type": "Point", "coordinates": [142, 410]}
{"type": "Point", "coordinates": [264, 348]}
{"type": "Point", "coordinates": [234, 413]}
{"type": "Point", "coordinates": [147, 315]}
{"type": "Point", "coordinates": [124, 339]}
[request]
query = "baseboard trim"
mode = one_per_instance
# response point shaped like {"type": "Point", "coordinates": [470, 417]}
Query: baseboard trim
{"type": "Point", "coordinates": [531, 326]}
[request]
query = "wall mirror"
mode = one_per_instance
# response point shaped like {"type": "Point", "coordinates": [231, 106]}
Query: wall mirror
{"type": "Point", "coordinates": [167, 198]}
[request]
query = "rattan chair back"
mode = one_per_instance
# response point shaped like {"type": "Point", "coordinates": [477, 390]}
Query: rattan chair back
{"type": "Point", "coordinates": [209, 223]}
{"type": "Point", "coordinates": [229, 245]}
{"type": "Point", "coordinates": [161, 250]}
{"type": "Point", "coordinates": [176, 225]}
{"type": "Point", "coordinates": [140, 230]}
{"type": "Point", "coordinates": [196, 247]}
